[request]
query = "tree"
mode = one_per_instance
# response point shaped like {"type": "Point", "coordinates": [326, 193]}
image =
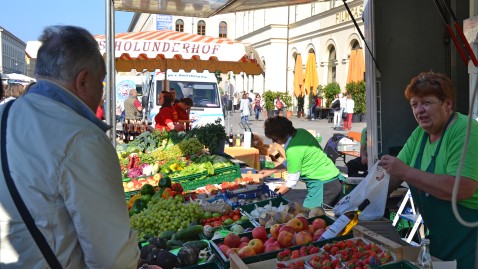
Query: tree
{"type": "Point", "coordinates": [330, 91]}
{"type": "Point", "coordinates": [357, 91]}
{"type": "Point", "coordinates": [218, 76]}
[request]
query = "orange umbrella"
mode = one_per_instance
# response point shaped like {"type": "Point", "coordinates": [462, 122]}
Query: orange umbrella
{"type": "Point", "coordinates": [356, 66]}
{"type": "Point", "coordinates": [298, 76]}
{"type": "Point", "coordinates": [311, 76]}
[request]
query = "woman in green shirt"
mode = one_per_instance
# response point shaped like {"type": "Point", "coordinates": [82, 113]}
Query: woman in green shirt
{"type": "Point", "coordinates": [428, 164]}
{"type": "Point", "coordinates": [304, 160]}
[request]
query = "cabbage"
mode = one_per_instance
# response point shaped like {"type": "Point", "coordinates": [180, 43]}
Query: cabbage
{"type": "Point", "coordinates": [135, 172]}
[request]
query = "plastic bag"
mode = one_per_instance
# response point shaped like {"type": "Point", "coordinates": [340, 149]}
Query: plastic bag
{"type": "Point", "coordinates": [374, 188]}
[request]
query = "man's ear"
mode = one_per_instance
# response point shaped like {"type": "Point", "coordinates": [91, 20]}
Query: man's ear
{"type": "Point", "coordinates": [80, 82]}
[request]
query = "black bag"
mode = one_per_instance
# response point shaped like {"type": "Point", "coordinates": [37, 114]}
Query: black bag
{"type": "Point", "coordinates": [331, 147]}
{"type": "Point", "coordinates": [344, 115]}
{"type": "Point", "coordinates": [336, 105]}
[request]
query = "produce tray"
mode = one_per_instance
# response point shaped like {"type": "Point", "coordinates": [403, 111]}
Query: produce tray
{"type": "Point", "coordinates": [248, 208]}
{"type": "Point", "coordinates": [245, 224]}
{"type": "Point", "coordinates": [224, 261]}
{"type": "Point", "coordinates": [195, 181]}
{"type": "Point", "coordinates": [206, 265]}
{"type": "Point", "coordinates": [398, 265]}
{"type": "Point", "coordinates": [232, 197]}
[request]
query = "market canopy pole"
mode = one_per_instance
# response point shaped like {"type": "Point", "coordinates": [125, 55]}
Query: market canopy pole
{"type": "Point", "coordinates": [110, 114]}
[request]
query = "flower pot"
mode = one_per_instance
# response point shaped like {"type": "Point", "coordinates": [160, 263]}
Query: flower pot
{"type": "Point", "coordinates": [289, 114]}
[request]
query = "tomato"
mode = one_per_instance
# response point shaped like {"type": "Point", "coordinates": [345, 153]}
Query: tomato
{"type": "Point", "coordinates": [223, 218]}
{"type": "Point", "coordinates": [236, 217]}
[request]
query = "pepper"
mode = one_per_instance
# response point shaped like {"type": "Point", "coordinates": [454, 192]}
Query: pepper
{"type": "Point", "coordinates": [177, 188]}
{"type": "Point", "coordinates": [168, 193]}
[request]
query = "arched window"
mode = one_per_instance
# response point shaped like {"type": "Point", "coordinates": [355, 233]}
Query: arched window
{"type": "Point", "coordinates": [332, 72]}
{"type": "Point", "coordinates": [355, 44]}
{"type": "Point", "coordinates": [179, 25]}
{"type": "Point", "coordinates": [223, 29]}
{"type": "Point", "coordinates": [201, 28]}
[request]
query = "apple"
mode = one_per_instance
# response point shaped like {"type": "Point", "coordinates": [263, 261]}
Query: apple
{"type": "Point", "coordinates": [231, 250]}
{"type": "Point", "coordinates": [272, 247]}
{"type": "Point", "coordinates": [318, 234]}
{"type": "Point", "coordinates": [302, 238]}
{"type": "Point", "coordinates": [157, 177]}
{"type": "Point", "coordinates": [130, 185]}
{"type": "Point", "coordinates": [257, 245]}
{"type": "Point", "coordinates": [232, 240]}
{"type": "Point", "coordinates": [275, 230]}
{"type": "Point", "coordinates": [271, 240]}
{"type": "Point", "coordinates": [311, 229]}
{"type": "Point", "coordinates": [246, 251]}
{"type": "Point", "coordinates": [319, 224]}
{"type": "Point", "coordinates": [285, 239]}
{"type": "Point", "coordinates": [287, 228]}
{"type": "Point", "coordinates": [305, 223]}
{"type": "Point", "coordinates": [243, 244]}
{"type": "Point", "coordinates": [296, 224]}
{"type": "Point", "coordinates": [245, 239]}
{"type": "Point", "coordinates": [259, 233]}
{"type": "Point", "coordinates": [224, 248]}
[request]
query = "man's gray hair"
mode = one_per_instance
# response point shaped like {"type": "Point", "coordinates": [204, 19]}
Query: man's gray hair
{"type": "Point", "coordinates": [65, 51]}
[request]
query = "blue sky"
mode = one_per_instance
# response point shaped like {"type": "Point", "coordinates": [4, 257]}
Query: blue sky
{"type": "Point", "coordinates": [27, 19]}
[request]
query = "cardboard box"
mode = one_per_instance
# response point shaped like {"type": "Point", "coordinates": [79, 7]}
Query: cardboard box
{"type": "Point", "coordinates": [277, 153]}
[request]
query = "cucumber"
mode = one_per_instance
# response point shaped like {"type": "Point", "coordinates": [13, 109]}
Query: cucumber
{"type": "Point", "coordinates": [199, 244]}
{"type": "Point", "coordinates": [189, 233]}
{"type": "Point", "coordinates": [167, 234]}
{"type": "Point", "coordinates": [174, 243]}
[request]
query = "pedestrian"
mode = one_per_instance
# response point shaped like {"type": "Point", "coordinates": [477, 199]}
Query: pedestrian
{"type": "Point", "coordinates": [349, 111]}
{"type": "Point", "coordinates": [358, 167]}
{"type": "Point", "coordinates": [279, 106]}
{"type": "Point", "coordinates": [12, 92]}
{"type": "Point", "coordinates": [336, 106]}
{"type": "Point", "coordinates": [305, 160]}
{"type": "Point", "coordinates": [244, 107]}
{"type": "Point", "coordinates": [257, 105]}
{"type": "Point", "coordinates": [429, 163]}
{"type": "Point", "coordinates": [237, 101]}
{"type": "Point", "coordinates": [132, 106]}
{"type": "Point", "coordinates": [69, 176]}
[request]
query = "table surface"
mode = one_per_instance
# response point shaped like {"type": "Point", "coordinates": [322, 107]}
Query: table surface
{"type": "Point", "coordinates": [248, 155]}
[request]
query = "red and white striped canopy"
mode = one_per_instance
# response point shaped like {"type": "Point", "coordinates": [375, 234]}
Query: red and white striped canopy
{"type": "Point", "coordinates": [164, 50]}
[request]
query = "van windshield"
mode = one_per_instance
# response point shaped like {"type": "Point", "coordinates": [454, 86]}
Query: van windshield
{"type": "Point", "coordinates": [203, 94]}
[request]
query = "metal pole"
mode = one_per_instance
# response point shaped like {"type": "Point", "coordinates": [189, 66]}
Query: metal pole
{"type": "Point", "coordinates": [110, 71]}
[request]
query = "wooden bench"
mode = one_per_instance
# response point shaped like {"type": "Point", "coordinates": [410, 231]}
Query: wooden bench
{"type": "Point", "coordinates": [356, 136]}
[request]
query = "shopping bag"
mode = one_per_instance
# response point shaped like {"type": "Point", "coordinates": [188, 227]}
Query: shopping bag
{"type": "Point", "coordinates": [374, 188]}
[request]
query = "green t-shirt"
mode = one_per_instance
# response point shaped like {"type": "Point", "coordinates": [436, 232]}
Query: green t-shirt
{"type": "Point", "coordinates": [363, 137]}
{"type": "Point", "coordinates": [449, 155]}
{"type": "Point", "coordinates": [303, 154]}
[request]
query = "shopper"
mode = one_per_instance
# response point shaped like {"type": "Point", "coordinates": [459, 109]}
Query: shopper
{"type": "Point", "coordinates": [429, 162]}
{"type": "Point", "coordinates": [63, 165]}
{"type": "Point", "coordinates": [167, 118]}
{"type": "Point", "coordinates": [257, 105]}
{"type": "Point", "coordinates": [245, 108]}
{"type": "Point", "coordinates": [12, 92]}
{"type": "Point", "coordinates": [132, 106]}
{"type": "Point", "coordinates": [304, 160]}
{"type": "Point", "coordinates": [336, 106]}
{"type": "Point", "coordinates": [358, 167]}
{"type": "Point", "coordinates": [349, 111]}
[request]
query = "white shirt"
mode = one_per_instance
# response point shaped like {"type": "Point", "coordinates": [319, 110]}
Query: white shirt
{"type": "Point", "coordinates": [67, 172]}
{"type": "Point", "coordinates": [349, 105]}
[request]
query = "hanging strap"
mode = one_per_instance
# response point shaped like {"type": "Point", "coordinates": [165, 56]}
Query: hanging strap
{"type": "Point", "coordinates": [21, 207]}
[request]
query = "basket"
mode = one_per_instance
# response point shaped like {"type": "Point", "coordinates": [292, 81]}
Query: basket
{"type": "Point", "coordinates": [226, 174]}
{"type": "Point", "coordinates": [234, 197]}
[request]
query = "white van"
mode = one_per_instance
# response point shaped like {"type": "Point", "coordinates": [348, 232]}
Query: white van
{"type": "Point", "coordinates": [202, 88]}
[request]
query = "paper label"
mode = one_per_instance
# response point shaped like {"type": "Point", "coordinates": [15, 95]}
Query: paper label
{"type": "Point", "coordinates": [335, 228]}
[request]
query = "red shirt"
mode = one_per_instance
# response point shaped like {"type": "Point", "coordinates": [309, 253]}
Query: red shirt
{"type": "Point", "coordinates": [165, 116]}
{"type": "Point", "coordinates": [99, 113]}
{"type": "Point", "coordinates": [182, 113]}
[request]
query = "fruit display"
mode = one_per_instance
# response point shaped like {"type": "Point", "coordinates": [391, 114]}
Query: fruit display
{"type": "Point", "coordinates": [216, 219]}
{"type": "Point", "coordinates": [138, 183]}
{"type": "Point", "coordinates": [165, 214]}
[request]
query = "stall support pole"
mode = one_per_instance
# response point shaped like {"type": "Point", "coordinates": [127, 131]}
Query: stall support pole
{"type": "Point", "coordinates": [110, 115]}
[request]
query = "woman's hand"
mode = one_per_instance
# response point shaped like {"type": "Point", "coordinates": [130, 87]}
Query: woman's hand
{"type": "Point", "coordinates": [266, 172]}
{"type": "Point", "coordinates": [394, 166]}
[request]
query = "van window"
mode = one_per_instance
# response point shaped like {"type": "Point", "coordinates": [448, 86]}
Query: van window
{"type": "Point", "coordinates": [203, 94]}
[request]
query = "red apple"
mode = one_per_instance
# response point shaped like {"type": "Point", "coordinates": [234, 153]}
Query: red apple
{"type": "Point", "coordinates": [285, 239]}
{"type": "Point", "coordinates": [305, 223]}
{"type": "Point", "coordinates": [245, 239]}
{"type": "Point", "coordinates": [287, 228]}
{"type": "Point", "coordinates": [271, 240]}
{"type": "Point", "coordinates": [311, 229]}
{"type": "Point", "coordinates": [224, 248]}
{"type": "Point", "coordinates": [243, 244]}
{"type": "Point", "coordinates": [232, 240]}
{"type": "Point", "coordinates": [275, 230]}
{"type": "Point", "coordinates": [231, 250]}
{"type": "Point", "coordinates": [259, 233]}
{"type": "Point", "coordinates": [319, 224]}
{"type": "Point", "coordinates": [257, 245]}
{"type": "Point", "coordinates": [302, 238]}
{"type": "Point", "coordinates": [318, 234]}
{"type": "Point", "coordinates": [296, 224]}
{"type": "Point", "coordinates": [272, 247]}
{"type": "Point", "coordinates": [246, 251]}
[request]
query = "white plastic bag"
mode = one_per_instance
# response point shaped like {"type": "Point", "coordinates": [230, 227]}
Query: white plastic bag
{"type": "Point", "coordinates": [374, 188]}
